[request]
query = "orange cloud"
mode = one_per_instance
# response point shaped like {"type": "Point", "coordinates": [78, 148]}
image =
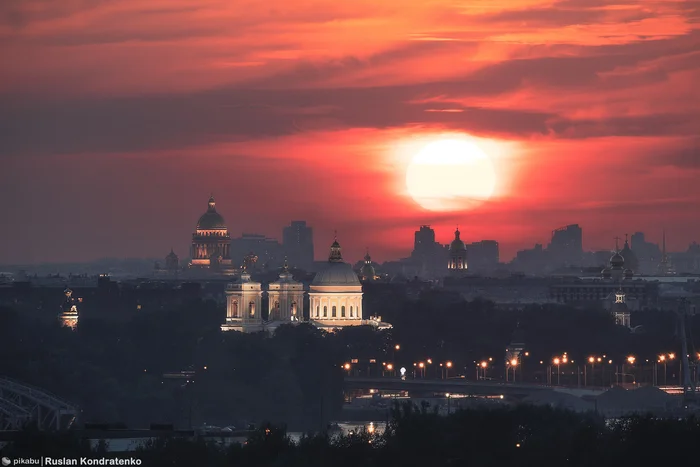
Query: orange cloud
{"type": "Point", "coordinates": [309, 110]}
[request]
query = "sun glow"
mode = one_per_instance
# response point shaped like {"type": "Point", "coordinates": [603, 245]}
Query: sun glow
{"type": "Point", "coordinates": [450, 175]}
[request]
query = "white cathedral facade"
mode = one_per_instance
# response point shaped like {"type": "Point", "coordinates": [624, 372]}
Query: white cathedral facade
{"type": "Point", "coordinates": [335, 300]}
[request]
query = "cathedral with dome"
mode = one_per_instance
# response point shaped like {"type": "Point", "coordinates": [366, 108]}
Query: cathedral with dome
{"type": "Point", "coordinates": [617, 269]}
{"type": "Point", "coordinates": [457, 262]}
{"type": "Point", "coordinates": [211, 242]}
{"type": "Point", "coordinates": [335, 294]}
{"type": "Point", "coordinates": [335, 299]}
{"type": "Point", "coordinates": [367, 271]}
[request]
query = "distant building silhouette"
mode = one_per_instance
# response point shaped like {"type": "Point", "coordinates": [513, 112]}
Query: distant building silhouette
{"type": "Point", "coordinates": [428, 256]}
{"type": "Point", "coordinates": [665, 267]}
{"type": "Point", "coordinates": [298, 243]}
{"type": "Point", "coordinates": [566, 246]}
{"type": "Point", "coordinates": [367, 272]}
{"type": "Point", "coordinates": [268, 251]}
{"type": "Point", "coordinates": [483, 256]}
{"type": "Point", "coordinates": [172, 262]}
{"type": "Point", "coordinates": [648, 254]}
{"type": "Point", "coordinates": [631, 261]}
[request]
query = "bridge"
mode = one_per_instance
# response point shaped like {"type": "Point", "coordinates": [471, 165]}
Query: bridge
{"type": "Point", "coordinates": [461, 386]}
{"type": "Point", "coordinates": [22, 405]}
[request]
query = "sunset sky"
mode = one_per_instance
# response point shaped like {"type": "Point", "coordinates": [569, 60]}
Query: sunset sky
{"type": "Point", "coordinates": [118, 118]}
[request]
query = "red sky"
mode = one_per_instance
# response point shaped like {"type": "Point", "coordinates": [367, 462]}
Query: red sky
{"type": "Point", "coordinates": [119, 117]}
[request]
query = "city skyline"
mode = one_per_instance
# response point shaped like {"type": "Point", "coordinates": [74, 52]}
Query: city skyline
{"type": "Point", "coordinates": [117, 122]}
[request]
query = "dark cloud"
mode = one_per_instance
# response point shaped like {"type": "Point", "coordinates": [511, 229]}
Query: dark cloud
{"type": "Point", "coordinates": [684, 157]}
{"type": "Point", "coordinates": [662, 124]}
{"type": "Point", "coordinates": [18, 14]}
{"type": "Point", "coordinates": [545, 16]}
{"type": "Point", "coordinates": [173, 121]}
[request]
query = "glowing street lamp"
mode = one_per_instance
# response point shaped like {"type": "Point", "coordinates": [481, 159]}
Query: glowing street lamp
{"type": "Point", "coordinates": [347, 367]}
{"type": "Point", "coordinates": [483, 366]}
{"type": "Point", "coordinates": [513, 362]}
{"type": "Point", "coordinates": [448, 365]}
{"type": "Point", "coordinates": [557, 361]}
{"type": "Point", "coordinates": [390, 368]}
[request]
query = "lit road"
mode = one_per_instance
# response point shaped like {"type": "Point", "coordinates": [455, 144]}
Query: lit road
{"type": "Point", "coordinates": [456, 386]}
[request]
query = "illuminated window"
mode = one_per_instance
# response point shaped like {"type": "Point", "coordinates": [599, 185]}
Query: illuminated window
{"type": "Point", "coordinates": [325, 312]}
{"type": "Point", "coordinates": [318, 311]}
{"type": "Point", "coordinates": [351, 315]}
{"type": "Point", "coordinates": [333, 312]}
{"type": "Point", "coordinates": [342, 311]}
{"type": "Point", "coordinates": [251, 309]}
{"type": "Point", "coordinates": [234, 309]}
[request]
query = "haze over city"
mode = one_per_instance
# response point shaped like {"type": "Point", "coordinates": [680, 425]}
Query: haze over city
{"type": "Point", "coordinates": [120, 118]}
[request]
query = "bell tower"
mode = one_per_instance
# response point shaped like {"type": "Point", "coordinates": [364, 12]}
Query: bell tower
{"type": "Point", "coordinates": [243, 304]}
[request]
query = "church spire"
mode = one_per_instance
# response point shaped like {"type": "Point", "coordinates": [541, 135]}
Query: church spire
{"type": "Point", "coordinates": [663, 246]}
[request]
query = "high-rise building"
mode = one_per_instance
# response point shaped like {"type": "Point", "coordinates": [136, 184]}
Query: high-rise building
{"type": "Point", "coordinates": [648, 254]}
{"type": "Point", "coordinates": [483, 255]}
{"type": "Point", "coordinates": [298, 244]}
{"type": "Point", "coordinates": [267, 250]}
{"type": "Point", "coordinates": [424, 240]}
{"type": "Point", "coordinates": [428, 255]}
{"type": "Point", "coordinates": [566, 246]}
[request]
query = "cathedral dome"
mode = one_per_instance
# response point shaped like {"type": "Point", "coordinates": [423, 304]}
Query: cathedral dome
{"type": "Point", "coordinates": [211, 220]}
{"type": "Point", "coordinates": [617, 261]}
{"type": "Point", "coordinates": [367, 271]}
{"type": "Point", "coordinates": [457, 244]}
{"type": "Point", "coordinates": [336, 272]}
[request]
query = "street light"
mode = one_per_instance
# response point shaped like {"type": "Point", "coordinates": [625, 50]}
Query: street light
{"type": "Point", "coordinates": [631, 359]}
{"type": "Point", "coordinates": [421, 365]}
{"type": "Point", "coordinates": [591, 360]}
{"type": "Point", "coordinates": [483, 366]}
{"type": "Point", "coordinates": [557, 362]}
{"type": "Point", "coordinates": [448, 365]}
{"type": "Point", "coordinates": [513, 363]}
{"type": "Point", "coordinates": [347, 368]}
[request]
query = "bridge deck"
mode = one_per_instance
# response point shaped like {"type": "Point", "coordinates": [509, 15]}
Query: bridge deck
{"type": "Point", "coordinates": [457, 386]}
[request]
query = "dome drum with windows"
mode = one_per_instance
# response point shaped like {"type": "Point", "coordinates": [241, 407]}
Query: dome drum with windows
{"type": "Point", "coordinates": [211, 243]}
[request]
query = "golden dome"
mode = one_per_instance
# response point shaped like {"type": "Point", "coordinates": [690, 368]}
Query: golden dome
{"type": "Point", "coordinates": [211, 220]}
